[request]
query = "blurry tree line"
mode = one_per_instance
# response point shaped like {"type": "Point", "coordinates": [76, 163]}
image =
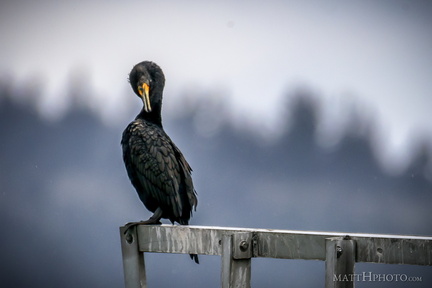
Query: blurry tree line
{"type": "Point", "coordinates": [64, 190]}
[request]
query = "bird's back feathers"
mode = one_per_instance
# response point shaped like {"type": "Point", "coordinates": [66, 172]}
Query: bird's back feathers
{"type": "Point", "coordinates": [158, 171]}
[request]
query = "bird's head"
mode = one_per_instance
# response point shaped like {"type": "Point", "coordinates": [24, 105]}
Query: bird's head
{"type": "Point", "coordinates": [147, 81]}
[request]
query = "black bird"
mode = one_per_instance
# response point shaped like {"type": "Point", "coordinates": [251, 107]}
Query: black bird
{"type": "Point", "coordinates": [155, 166]}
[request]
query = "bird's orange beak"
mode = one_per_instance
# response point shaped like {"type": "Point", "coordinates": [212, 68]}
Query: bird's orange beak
{"type": "Point", "coordinates": [144, 92]}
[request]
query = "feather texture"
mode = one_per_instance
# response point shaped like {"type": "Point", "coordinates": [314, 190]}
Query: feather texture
{"type": "Point", "coordinates": [158, 171]}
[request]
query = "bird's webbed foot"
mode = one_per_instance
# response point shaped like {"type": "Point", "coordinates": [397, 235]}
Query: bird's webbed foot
{"type": "Point", "coordinates": [153, 220]}
{"type": "Point", "coordinates": [150, 221]}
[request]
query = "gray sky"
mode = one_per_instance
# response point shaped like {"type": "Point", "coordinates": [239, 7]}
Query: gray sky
{"type": "Point", "coordinates": [373, 56]}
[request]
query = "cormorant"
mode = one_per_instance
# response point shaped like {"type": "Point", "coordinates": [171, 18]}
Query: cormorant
{"type": "Point", "coordinates": [155, 166]}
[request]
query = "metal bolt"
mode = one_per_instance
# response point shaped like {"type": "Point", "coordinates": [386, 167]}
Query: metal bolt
{"type": "Point", "coordinates": [339, 251]}
{"type": "Point", "coordinates": [244, 245]}
{"type": "Point", "coordinates": [129, 238]}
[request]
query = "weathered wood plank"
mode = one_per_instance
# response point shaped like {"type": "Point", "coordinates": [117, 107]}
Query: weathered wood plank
{"type": "Point", "coordinates": [286, 244]}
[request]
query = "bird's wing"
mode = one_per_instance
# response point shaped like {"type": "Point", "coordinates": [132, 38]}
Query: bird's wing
{"type": "Point", "coordinates": [186, 170]}
{"type": "Point", "coordinates": [153, 159]}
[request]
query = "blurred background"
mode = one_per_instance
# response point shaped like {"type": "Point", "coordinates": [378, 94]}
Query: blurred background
{"type": "Point", "coordinates": [298, 115]}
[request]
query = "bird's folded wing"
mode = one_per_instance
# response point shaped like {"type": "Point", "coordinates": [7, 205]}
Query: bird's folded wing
{"type": "Point", "coordinates": [186, 171]}
{"type": "Point", "coordinates": [157, 169]}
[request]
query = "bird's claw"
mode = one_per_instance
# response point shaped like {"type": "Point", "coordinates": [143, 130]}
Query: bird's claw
{"type": "Point", "coordinates": [150, 221]}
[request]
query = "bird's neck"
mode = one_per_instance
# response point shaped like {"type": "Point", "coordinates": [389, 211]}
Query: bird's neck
{"type": "Point", "coordinates": [154, 116]}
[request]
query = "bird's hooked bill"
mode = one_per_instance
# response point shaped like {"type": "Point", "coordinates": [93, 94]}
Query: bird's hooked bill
{"type": "Point", "coordinates": [145, 96]}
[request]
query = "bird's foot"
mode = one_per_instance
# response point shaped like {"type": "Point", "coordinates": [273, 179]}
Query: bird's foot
{"type": "Point", "coordinates": [150, 221]}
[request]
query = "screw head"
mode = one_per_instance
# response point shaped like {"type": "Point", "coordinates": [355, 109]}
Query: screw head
{"type": "Point", "coordinates": [339, 251]}
{"type": "Point", "coordinates": [129, 238]}
{"type": "Point", "coordinates": [244, 245]}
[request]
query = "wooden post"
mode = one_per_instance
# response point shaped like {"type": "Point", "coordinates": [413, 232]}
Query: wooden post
{"type": "Point", "coordinates": [236, 260]}
{"type": "Point", "coordinates": [340, 260]}
{"type": "Point", "coordinates": [133, 259]}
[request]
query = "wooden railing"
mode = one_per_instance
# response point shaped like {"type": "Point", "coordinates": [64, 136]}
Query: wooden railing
{"type": "Point", "coordinates": [237, 246]}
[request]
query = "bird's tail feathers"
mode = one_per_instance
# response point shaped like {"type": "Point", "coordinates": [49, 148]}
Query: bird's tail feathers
{"type": "Point", "coordinates": [194, 257]}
